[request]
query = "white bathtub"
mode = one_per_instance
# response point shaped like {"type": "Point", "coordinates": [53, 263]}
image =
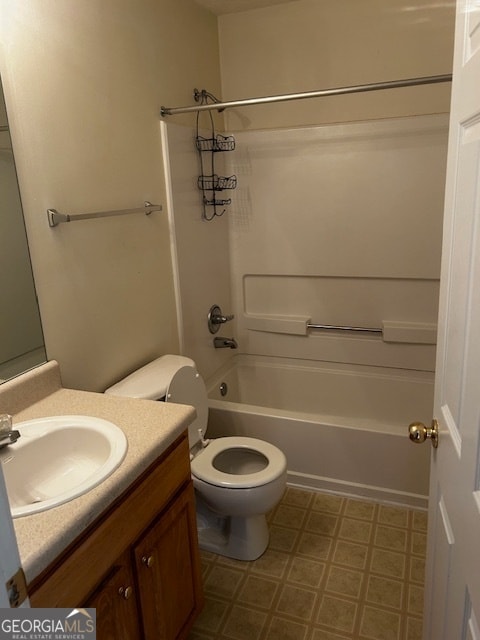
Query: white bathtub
{"type": "Point", "coordinates": [343, 428]}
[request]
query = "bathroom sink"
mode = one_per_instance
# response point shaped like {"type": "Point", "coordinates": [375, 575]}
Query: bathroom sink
{"type": "Point", "coordinates": [59, 458]}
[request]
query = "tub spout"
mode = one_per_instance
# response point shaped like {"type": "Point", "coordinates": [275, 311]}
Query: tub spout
{"type": "Point", "coordinates": [224, 343]}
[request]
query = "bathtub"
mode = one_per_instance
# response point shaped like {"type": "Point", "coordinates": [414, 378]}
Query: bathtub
{"type": "Point", "coordinates": [343, 428]}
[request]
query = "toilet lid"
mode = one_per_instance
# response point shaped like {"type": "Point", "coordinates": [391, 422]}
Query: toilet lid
{"type": "Point", "coordinates": [203, 465]}
{"type": "Point", "coordinates": [187, 387]}
{"type": "Point", "coordinates": [151, 381]}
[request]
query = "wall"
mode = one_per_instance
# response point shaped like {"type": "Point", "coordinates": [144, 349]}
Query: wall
{"type": "Point", "coordinates": [309, 45]}
{"type": "Point", "coordinates": [84, 83]}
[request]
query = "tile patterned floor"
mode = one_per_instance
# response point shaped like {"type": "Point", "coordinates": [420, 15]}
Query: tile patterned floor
{"type": "Point", "coordinates": [335, 569]}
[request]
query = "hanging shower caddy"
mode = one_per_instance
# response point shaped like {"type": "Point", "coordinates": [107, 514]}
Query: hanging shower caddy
{"type": "Point", "coordinates": [211, 184]}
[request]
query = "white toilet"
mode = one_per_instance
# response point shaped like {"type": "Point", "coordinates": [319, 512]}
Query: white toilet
{"type": "Point", "coordinates": [237, 480]}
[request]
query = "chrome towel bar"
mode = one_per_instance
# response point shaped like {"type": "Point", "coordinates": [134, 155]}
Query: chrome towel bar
{"type": "Point", "coordinates": [55, 217]}
{"type": "Point", "coordinates": [332, 327]}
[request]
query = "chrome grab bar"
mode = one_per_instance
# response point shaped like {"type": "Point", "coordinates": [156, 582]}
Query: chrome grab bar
{"type": "Point", "coordinates": [332, 327]}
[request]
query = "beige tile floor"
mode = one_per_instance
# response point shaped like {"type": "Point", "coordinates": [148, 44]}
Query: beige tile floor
{"type": "Point", "coordinates": [336, 569]}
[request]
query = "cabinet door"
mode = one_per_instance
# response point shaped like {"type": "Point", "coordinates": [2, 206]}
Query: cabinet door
{"type": "Point", "coordinates": [115, 602]}
{"type": "Point", "coordinates": [168, 572]}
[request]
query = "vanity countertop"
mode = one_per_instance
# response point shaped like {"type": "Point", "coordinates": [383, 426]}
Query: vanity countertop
{"type": "Point", "coordinates": [151, 427]}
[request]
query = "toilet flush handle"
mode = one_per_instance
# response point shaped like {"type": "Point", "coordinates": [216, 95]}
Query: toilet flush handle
{"type": "Point", "coordinates": [204, 441]}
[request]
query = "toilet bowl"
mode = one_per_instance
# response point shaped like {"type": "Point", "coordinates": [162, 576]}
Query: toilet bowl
{"type": "Point", "coordinates": [237, 480]}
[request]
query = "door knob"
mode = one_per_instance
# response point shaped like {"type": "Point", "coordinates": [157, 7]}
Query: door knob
{"type": "Point", "coordinates": [418, 433]}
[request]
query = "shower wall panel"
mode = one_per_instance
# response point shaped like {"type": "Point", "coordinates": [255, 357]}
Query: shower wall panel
{"type": "Point", "coordinates": [200, 251]}
{"type": "Point", "coordinates": [341, 224]}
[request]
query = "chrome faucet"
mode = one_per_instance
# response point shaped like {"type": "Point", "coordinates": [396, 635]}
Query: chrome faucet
{"type": "Point", "coordinates": [7, 434]}
{"type": "Point", "coordinates": [216, 318]}
{"type": "Point", "coordinates": [225, 343]}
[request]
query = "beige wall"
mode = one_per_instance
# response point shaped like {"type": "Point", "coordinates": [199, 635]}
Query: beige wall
{"type": "Point", "coordinates": [310, 44]}
{"type": "Point", "coordinates": [84, 82]}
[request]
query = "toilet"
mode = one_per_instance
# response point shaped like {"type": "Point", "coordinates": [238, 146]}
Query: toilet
{"type": "Point", "coordinates": [237, 480]}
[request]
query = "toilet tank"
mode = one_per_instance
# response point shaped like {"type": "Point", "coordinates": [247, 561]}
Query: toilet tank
{"type": "Point", "coordinates": [170, 378]}
{"type": "Point", "coordinates": [151, 382]}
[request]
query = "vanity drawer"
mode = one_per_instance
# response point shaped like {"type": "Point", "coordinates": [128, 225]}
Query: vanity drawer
{"type": "Point", "coordinates": [68, 580]}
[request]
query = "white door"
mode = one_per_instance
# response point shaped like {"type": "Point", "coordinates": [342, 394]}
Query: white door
{"type": "Point", "coordinates": [9, 557]}
{"type": "Point", "coordinates": [452, 606]}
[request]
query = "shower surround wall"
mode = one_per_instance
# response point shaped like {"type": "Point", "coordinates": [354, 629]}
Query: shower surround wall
{"type": "Point", "coordinates": [339, 224]}
{"type": "Point", "coordinates": [201, 250]}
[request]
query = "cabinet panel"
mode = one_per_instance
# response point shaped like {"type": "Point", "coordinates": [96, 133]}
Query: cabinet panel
{"type": "Point", "coordinates": [168, 570]}
{"type": "Point", "coordinates": [115, 602]}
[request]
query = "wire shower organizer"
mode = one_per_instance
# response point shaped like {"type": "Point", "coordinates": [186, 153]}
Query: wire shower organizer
{"type": "Point", "coordinates": [211, 184]}
{"type": "Point", "coordinates": [218, 143]}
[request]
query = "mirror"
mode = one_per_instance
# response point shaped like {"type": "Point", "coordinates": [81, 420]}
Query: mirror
{"type": "Point", "coordinates": [21, 337]}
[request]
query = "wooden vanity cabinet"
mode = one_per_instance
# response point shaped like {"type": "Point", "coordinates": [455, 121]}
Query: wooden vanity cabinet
{"type": "Point", "coordinates": [116, 604]}
{"type": "Point", "coordinates": [165, 564]}
{"type": "Point", "coordinates": [138, 564]}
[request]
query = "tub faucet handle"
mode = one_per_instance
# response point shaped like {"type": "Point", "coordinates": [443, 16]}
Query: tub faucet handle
{"type": "Point", "coordinates": [216, 317]}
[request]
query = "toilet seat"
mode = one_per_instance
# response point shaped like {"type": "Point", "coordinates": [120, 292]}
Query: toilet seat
{"type": "Point", "coordinates": [187, 387]}
{"type": "Point", "coordinates": [203, 468]}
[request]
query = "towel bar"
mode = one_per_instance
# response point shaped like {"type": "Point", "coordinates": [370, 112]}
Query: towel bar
{"type": "Point", "coordinates": [55, 217]}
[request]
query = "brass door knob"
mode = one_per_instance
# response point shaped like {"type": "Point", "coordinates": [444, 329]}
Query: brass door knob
{"type": "Point", "coordinates": [418, 433]}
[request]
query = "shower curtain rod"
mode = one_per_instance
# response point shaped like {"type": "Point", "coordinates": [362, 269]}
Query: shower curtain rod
{"type": "Point", "coordinates": [360, 88]}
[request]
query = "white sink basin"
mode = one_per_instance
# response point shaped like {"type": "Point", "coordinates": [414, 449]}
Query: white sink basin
{"type": "Point", "coordinates": [57, 459]}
